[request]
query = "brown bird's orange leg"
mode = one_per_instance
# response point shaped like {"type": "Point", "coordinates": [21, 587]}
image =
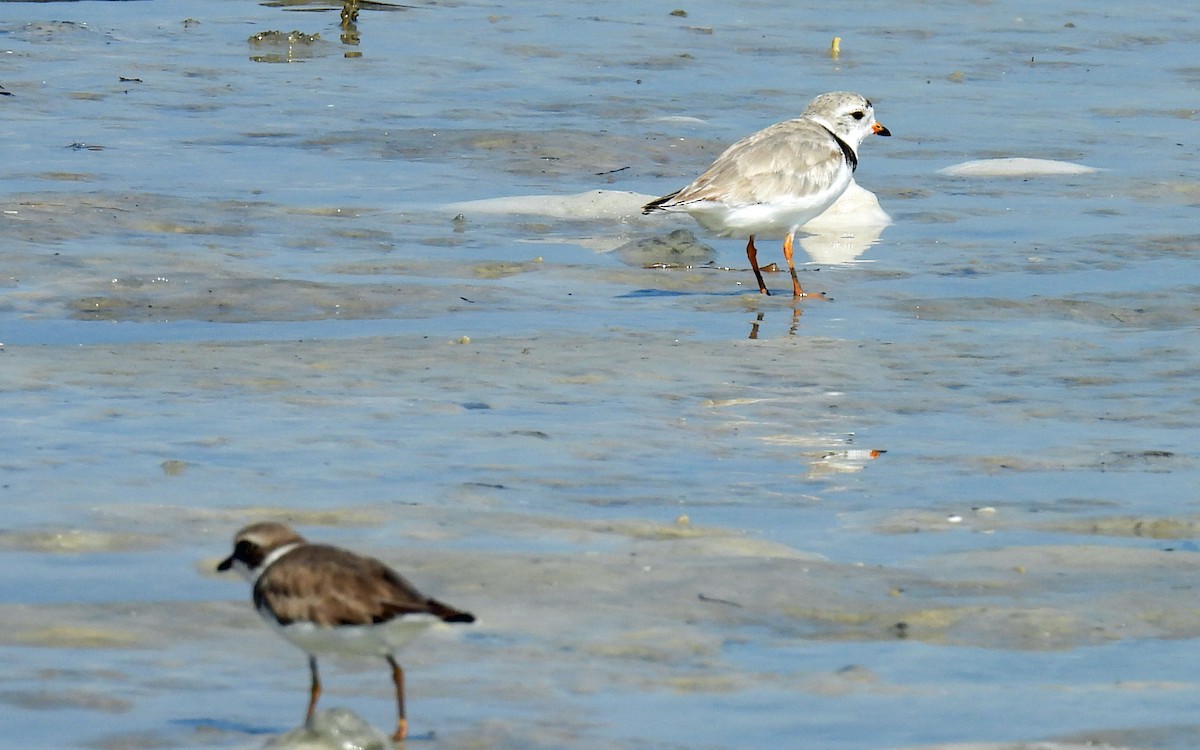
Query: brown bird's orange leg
{"type": "Point", "coordinates": [787, 255]}
{"type": "Point", "coordinates": [752, 255]}
{"type": "Point", "coordinates": [314, 693]}
{"type": "Point", "coordinates": [401, 722]}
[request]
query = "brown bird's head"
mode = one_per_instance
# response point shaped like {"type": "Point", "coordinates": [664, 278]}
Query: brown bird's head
{"type": "Point", "coordinates": [257, 546]}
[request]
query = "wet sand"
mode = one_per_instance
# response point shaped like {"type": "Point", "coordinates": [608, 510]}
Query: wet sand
{"type": "Point", "coordinates": [681, 615]}
{"type": "Point", "coordinates": [594, 568]}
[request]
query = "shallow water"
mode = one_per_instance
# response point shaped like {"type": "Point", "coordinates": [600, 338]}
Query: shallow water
{"type": "Point", "coordinates": [236, 289]}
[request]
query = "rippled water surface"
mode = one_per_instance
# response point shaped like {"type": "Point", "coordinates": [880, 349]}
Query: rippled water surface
{"type": "Point", "coordinates": [252, 277]}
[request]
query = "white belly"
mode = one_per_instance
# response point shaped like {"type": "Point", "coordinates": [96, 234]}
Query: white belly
{"type": "Point", "coordinates": [360, 640]}
{"type": "Point", "coordinates": [773, 219]}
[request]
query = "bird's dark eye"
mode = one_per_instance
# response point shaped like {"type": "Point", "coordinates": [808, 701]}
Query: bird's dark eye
{"type": "Point", "coordinates": [858, 115]}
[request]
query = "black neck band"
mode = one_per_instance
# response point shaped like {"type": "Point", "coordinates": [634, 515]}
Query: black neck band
{"type": "Point", "coordinates": [848, 152]}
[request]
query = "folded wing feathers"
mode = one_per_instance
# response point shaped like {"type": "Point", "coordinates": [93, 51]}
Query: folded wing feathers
{"type": "Point", "coordinates": [797, 157]}
{"type": "Point", "coordinates": [343, 589]}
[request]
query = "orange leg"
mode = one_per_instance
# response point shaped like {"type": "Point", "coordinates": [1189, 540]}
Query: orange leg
{"type": "Point", "coordinates": [398, 679]}
{"type": "Point", "coordinates": [787, 255]}
{"type": "Point", "coordinates": [314, 693]}
{"type": "Point", "coordinates": [752, 254]}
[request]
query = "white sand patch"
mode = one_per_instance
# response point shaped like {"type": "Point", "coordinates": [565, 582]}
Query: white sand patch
{"type": "Point", "coordinates": [840, 234]}
{"type": "Point", "coordinates": [593, 204]}
{"type": "Point", "coordinates": [1015, 167]}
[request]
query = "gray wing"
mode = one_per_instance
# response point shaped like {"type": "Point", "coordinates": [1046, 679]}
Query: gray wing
{"type": "Point", "coordinates": [796, 157]}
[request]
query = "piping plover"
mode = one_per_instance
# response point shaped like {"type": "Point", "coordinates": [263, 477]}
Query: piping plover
{"type": "Point", "coordinates": [326, 599]}
{"type": "Point", "coordinates": [774, 181]}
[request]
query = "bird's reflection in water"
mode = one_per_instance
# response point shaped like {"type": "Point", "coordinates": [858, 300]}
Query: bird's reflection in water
{"type": "Point", "coordinates": [349, 10]}
{"type": "Point", "coordinates": [792, 328]}
{"type": "Point", "coordinates": [349, 35]}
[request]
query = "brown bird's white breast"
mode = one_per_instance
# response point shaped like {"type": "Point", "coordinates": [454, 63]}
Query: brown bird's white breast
{"type": "Point", "coordinates": [356, 640]}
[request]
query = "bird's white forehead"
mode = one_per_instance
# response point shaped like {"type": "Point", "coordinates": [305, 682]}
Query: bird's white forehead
{"type": "Point", "coordinates": [255, 538]}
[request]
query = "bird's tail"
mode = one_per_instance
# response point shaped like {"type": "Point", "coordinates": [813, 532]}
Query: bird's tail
{"type": "Point", "coordinates": [657, 205]}
{"type": "Point", "coordinates": [448, 613]}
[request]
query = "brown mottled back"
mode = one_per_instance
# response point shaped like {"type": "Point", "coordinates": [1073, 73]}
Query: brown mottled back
{"type": "Point", "coordinates": [329, 586]}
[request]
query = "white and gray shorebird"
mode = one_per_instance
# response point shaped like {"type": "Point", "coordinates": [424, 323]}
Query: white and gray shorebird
{"type": "Point", "coordinates": [327, 600]}
{"type": "Point", "coordinates": [772, 182]}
